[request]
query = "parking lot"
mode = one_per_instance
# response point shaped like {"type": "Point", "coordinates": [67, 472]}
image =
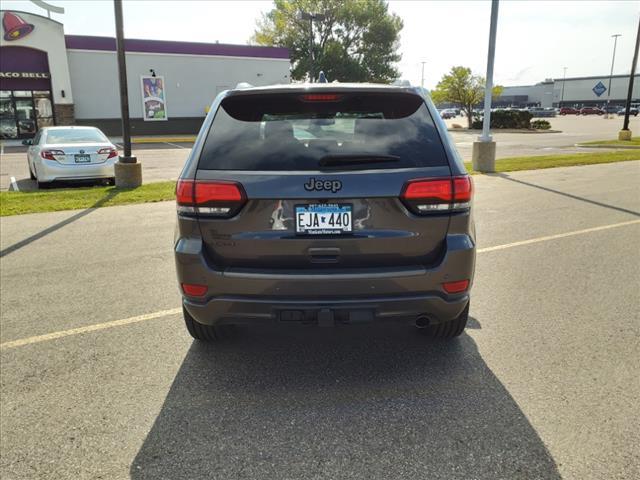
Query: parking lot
{"type": "Point", "coordinates": [99, 378]}
{"type": "Point", "coordinates": [164, 160]}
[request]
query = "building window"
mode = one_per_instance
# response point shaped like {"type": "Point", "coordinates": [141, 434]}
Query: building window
{"type": "Point", "coordinates": [23, 112]}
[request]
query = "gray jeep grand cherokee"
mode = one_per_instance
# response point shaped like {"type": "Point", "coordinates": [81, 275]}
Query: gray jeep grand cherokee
{"type": "Point", "coordinates": [324, 204]}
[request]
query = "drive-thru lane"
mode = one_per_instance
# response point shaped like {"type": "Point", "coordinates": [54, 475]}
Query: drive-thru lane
{"type": "Point", "coordinates": [543, 385]}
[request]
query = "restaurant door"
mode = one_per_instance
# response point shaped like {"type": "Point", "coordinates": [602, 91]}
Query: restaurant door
{"type": "Point", "coordinates": [24, 112]}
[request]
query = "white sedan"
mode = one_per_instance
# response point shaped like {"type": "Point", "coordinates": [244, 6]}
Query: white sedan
{"type": "Point", "coordinates": [70, 153]}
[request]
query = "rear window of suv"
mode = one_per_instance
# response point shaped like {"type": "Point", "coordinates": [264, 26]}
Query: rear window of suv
{"type": "Point", "coordinates": [302, 131]}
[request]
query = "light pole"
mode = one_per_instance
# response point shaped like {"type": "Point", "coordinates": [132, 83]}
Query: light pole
{"type": "Point", "coordinates": [422, 81]}
{"type": "Point", "coordinates": [625, 133]}
{"type": "Point", "coordinates": [613, 60]}
{"type": "Point", "coordinates": [484, 150]}
{"type": "Point", "coordinates": [302, 15]}
{"type": "Point", "coordinates": [564, 76]}
{"type": "Point", "coordinates": [127, 170]}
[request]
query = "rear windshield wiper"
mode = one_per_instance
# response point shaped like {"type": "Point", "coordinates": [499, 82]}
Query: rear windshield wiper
{"type": "Point", "coordinates": [355, 159]}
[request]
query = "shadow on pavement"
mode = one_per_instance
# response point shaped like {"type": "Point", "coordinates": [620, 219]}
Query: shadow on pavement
{"type": "Point", "coordinates": [565, 194]}
{"type": "Point", "coordinates": [353, 402]}
{"type": "Point", "coordinates": [57, 226]}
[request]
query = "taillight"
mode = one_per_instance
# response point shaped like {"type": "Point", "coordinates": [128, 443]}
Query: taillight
{"type": "Point", "coordinates": [436, 195]}
{"type": "Point", "coordinates": [194, 289]}
{"type": "Point", "coordinates": [52, 154]}
{"type": "Point", "coordinates": [458, 286]}
{"type": "Point", "coordinates": [209, 198]}
{"type": "Point", "coordinates": [112, 152]}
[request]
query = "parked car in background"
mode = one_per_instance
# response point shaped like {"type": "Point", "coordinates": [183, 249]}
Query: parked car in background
{"type": "Point", "coordinates": [611, 109]}
{"type": "Point", "coordinates": [447, 113]}
{"type": "Point", "coordinates": [542, 112]}
{"type": "Point", "coordinates": [569, 111]}
{"type": "Point", "coordinates": [591, 111]}
{"type": "Point", "coordinates": [632, 111]}
{"type": "Point", "coordinates": [70, 153]}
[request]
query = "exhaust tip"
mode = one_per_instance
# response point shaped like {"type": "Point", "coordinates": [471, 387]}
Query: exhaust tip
{"type": "Point", "coordinates": [422, 321]}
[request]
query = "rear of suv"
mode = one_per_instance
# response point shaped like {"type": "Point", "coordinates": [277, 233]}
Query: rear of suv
{"type": "Point", "coordinates": [324, 204]}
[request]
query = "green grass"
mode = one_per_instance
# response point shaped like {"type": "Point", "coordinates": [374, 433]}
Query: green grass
{"type": "Point", "coordinates": [17, 203]}
{"type": "Point", "coordinates": [551, 161]}
{"type": "Point", "coordinates": [635, 141]}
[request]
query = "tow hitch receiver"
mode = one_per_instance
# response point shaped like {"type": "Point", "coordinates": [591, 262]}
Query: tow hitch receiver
{"type": "Point", "coordinates": [325, 318]}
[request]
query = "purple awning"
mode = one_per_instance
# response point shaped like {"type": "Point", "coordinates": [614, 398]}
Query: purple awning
{"type": "Point", "coordinates": [23, 59]}
{"type": "Point", "coordinates": [82, 42]}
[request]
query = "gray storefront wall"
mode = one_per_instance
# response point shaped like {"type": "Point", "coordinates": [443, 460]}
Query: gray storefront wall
{"type": "Point", "coordinates": [577, 92]}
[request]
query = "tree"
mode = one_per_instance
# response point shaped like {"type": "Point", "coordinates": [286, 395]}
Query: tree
{"type": "Point", "coordinates": [356, 41]}
{"type": "Point", "coordinates": [461, 87]}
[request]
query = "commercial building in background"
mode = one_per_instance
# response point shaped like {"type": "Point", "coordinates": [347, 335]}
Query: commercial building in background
{"type": "Point", "coordinates": [578, 92]}
{"type": "Point", "coordinates": [49, 78]}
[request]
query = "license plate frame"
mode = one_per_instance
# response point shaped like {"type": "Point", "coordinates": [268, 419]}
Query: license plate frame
{"type": "Point", "coordinates": [82, 158]}
{"type": "Point", "coordinates": [333, 223]}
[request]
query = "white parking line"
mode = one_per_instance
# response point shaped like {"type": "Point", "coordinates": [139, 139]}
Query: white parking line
{"type": "Point", "coordinates": [164, 313]}
{"type": "Point", "coordinates": [554, 237]}
{"type": "Point", "coordinates": [14, 184]}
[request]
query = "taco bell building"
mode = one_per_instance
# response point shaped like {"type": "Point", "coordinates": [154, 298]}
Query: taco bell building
{"type": "Point", "coordinates": [49, 78]}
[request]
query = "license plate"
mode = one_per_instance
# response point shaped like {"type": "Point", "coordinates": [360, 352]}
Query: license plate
{"type": "Point", "coordinates": [323, 219]}
{"type": "Point", "coordinates": [82, 158]}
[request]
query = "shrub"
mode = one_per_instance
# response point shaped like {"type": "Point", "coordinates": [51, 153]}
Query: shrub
{"type": "Point", "coordinates": [506, 119]}
{"type": "Point", "coordinates": [540, 125]}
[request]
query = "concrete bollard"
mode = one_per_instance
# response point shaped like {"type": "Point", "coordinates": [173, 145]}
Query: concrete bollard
{"type": "Point", "coordinates": [624, 135]}
{"type": "Point", "coordinates": [483, 157]}
{"type": "Point", "coordinates": [128, 175]}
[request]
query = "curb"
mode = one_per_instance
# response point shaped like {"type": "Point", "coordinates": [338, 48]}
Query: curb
{"type": "Point", "coordinates": [188, 139]}
{"type": "Point", "coordinates": [505, 130]}
{"type": "Point", "coordinates": [610, 147]}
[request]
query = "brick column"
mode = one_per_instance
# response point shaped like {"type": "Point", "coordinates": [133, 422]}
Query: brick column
{"type": "Point", "coordinates": [65, 114]}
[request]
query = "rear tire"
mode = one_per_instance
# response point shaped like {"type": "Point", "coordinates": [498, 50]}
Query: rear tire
{"type": "Point", "coordinates": [205, 333]}
{"type": "Point", "coordinates": [448, 330]}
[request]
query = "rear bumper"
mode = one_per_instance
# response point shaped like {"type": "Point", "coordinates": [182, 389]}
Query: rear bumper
{"type": "Point", "coordinates": [313, 296]}
{"type": "Point", "coordinates": [242, 310]}
{"type": "Point", "coordinates": [50, 170]}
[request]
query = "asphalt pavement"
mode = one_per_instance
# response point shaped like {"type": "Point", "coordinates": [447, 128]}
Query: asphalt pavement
{"type": "Point", "coordinates": [543, 385]}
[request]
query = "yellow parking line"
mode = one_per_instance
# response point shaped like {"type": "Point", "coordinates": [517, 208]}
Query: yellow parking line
{"type": "Point", "coordinates": [163, 313]}
{"type": "Point", "coordinates": [90, 328]}
{"type": "Point", "coordinates": [186, 138]}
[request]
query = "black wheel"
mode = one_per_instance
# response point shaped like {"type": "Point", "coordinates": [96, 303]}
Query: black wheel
{"type": "Point", "coordinates": [43, 185]}
{"type": "Point", "coordinates": [205, 333]}
{"type": "Point", "coordinates": [112, 181]}
{"type": "Point", "coordinates": [447, 330]}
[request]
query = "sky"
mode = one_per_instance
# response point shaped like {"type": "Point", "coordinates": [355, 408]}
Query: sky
{"type": "Point", "coordinates": [535, 39]}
